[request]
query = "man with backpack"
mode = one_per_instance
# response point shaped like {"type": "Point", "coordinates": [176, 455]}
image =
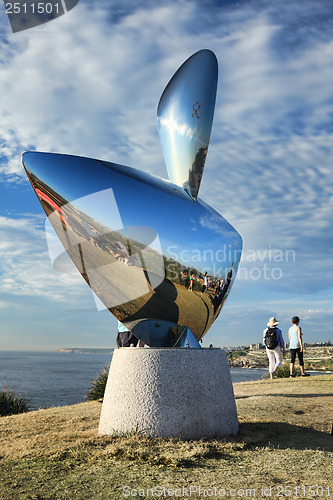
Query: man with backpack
{"type": "Point", "coordinates": [275, 349]}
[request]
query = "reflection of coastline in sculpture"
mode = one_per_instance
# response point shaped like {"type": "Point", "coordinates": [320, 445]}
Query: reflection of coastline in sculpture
{"type": "Point", "coordinates": [141, 300]}
{"type": "Point", "coordinates": [90, 230]}
{"type": "Point", "coordinates": [185, 309]}
{"type": "Point", "coordinates": [167, 301]}
{"type": "Point", "coordinates": [115, 243]}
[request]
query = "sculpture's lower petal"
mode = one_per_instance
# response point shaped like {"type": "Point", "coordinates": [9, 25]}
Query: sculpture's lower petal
{"type": "Point", "coordinates": [137, 240]}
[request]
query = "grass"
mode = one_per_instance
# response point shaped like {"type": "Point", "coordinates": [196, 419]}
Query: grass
{"type": "Point", "coordinates": [284, 439]}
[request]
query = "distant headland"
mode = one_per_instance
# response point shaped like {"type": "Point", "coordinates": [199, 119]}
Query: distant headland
{"type": "Point", "coordinates": [86, 350]}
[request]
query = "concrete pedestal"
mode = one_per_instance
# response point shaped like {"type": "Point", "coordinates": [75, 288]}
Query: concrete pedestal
{"type": "Point", "coordinates": [180, 393]}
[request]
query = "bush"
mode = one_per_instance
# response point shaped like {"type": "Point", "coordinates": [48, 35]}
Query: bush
{"type": "Point", "coordinates": [236, 354]}
{"type": "Point", "coordinates": [97, 386]}
{"type": "Point", "coordinates": [284, 371]}
{"type": "Point", "coordinates": [11, 404]}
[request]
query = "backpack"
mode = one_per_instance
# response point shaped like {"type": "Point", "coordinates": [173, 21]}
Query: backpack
{"type": "Point", "coordinates": [271, 338]}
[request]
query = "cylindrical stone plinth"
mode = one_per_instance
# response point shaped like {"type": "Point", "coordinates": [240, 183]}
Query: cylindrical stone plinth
{"type": "Point", "coordinates": [158, 392]}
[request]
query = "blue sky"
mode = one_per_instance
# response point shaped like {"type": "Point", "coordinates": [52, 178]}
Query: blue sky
{"type": "Point", "coordinates": [89, 82]}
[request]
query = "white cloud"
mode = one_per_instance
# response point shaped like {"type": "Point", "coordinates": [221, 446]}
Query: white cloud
{"type": "Point", "coordinates": [73, 90]}
{"type": "Point", "coordinates": [83, 95]}
{"type": "Point", "coordinates": [26, 269]}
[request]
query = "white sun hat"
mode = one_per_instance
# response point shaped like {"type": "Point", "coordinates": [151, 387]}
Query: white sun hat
{"type": "Point", "coordinates": [273, 322]}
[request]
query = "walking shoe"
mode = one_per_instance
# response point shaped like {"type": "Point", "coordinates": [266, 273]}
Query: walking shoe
{"type": "Point", "coordinates": [305, 375]}
{"type": "Point", "coordinates": [291, 375]}
{"type": "Point", "coordinates": [274, 374]}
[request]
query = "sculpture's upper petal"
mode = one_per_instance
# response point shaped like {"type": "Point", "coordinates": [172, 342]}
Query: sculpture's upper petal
{"type": "Point", "coordinates": [185, 115]}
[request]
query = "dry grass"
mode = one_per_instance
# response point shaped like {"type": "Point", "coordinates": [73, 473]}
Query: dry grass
{"type": "Point", "coordinates": [300, 401]}
{"type": "Point", "coordinates": [284, 439]}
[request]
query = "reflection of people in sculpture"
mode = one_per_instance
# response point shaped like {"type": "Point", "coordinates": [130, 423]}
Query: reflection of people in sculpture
{"type": "Point", "coordinates": [204, 286]}
{"type": "Point", "coordinates": [225, 289]}
{"type": "Point", "coordinates": [216, 284]}
{"type": "Point", "coordinates": [122, 252]}
{"type": "Point", "coordinates": [222, 290]}
{"type": "Point", "coordinates": [230, 273]}
{"type": "Point", "coordinates": [125, 338]}
{"type": "Point", "coordinates": [219, 286]}
{"type": "Point", "coordinates": [190, 288]}
{"type": "Point", "coordinates": [272, 336]}
{"type": "Point", "coordinates": [296, 346]}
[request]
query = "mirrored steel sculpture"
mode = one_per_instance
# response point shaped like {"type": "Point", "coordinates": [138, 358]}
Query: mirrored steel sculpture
{"type": "Point", "coordinates": [147, 246]}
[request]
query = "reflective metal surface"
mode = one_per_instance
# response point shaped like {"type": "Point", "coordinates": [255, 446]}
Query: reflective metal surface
{"type": "Point", "coordinates": [161, 261]}
{"type": "Point", "coordinates": [185, 115]}
{"type": "Point", "coordinates": [137, 240]}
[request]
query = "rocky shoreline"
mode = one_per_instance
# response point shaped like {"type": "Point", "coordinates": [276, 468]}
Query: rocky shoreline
{"type": "Point", "coordinates": [315, 358]}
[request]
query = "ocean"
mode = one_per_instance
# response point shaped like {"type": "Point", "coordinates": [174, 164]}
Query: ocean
{"type": "Point", "coordinates": [48, 379]}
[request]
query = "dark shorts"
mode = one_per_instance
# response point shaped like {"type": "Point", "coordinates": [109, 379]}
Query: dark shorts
{"type": "Point", "coordinates": [203, 288]}
{"type": "Point", "coordinates": [125, 339]}
{"type": "Point", "coordinates": [293, 353]}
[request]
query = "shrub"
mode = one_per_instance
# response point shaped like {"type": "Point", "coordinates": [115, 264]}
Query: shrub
{"type": "Point", "coordinates": [98, 384]}
{"type": "Point", "coordinates": [11, 404]}
{"type": "Point", "coordinates": [284, 371]}
{"type": "Point", "coordinates": [236, 354]}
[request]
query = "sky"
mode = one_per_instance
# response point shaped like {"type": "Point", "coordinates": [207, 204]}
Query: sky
{"type": "Point", "coordinates": [88, 84]}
